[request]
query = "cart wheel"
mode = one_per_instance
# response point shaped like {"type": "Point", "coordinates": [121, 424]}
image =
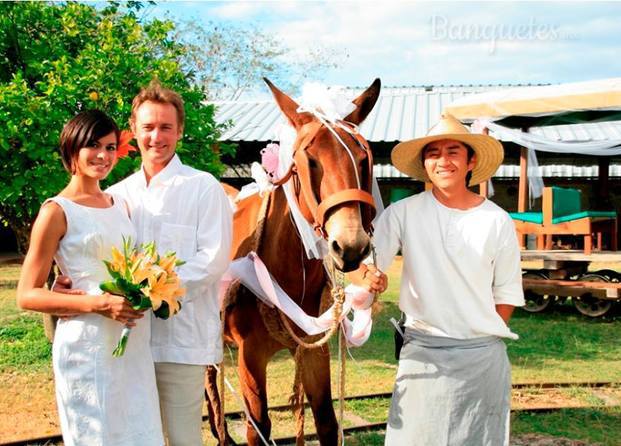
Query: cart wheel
{"type": "Point", "coordinates": [536, 303]}
{"type": "Point", "coordinates": [589, 305]}
{"type": "Point", "coordinates": [610, 274]}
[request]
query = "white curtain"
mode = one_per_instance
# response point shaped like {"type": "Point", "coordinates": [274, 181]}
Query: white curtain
{"type": "Point", "coordinates": [535, 180]}
{"type": "Point", "coordinates": [536, 142]}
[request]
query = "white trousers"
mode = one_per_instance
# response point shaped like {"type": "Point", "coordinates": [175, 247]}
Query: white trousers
{"type": "Point", "coordinates": [181, 391]}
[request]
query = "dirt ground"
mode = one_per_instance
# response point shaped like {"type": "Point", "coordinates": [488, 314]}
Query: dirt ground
{"type": "Point", "coordinates": [542, 440]}
{"type": "Point", "coordinates": [28, 408]}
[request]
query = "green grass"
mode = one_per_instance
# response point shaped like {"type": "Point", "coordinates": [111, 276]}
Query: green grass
{"type": "Point", "coordinates": [373, 410]}
{"type": "Point", "coordinates": [601, 426]}
{"type": "Point", "coordinates": [23, 345]}
{"type": "Point", "coordinates": [558, 346]}
{"type": "Point", "coordinates": [9, 273]}
{"type": "Point", "coordinates": [365, 439]}
{"type": "Point", "coordinates": [564, 346]}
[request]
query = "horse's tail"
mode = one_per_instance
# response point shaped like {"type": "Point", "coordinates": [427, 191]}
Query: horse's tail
{"type": "Point", "coordinates": [215, 408]}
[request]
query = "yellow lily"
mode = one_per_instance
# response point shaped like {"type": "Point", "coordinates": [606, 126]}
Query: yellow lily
{"type": "Point", "coordinates": [168, 263]}
{"type": "Point", "coordinates": [142, 270]}
{"type": "Point", "coordinates": [118, 262]}
{"type": "Point", "coordinates": [164, 288]}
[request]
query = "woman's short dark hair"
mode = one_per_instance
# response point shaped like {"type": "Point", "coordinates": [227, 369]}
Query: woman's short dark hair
{"type": "Point", "coordinates": [83, 131]}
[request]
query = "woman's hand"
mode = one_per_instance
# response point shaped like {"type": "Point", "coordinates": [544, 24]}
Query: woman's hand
{"type": "Point", "coordinates": [116, 308]}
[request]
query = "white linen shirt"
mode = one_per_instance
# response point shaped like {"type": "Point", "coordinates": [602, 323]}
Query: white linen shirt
{"type": "Point", "coordinates": [185, 210]}
{"type": "Point", "coordinates": [457, 265]}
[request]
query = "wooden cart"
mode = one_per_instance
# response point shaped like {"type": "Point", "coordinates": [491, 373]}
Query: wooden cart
{"type": "Point", "coordinates": [557, 275]}
{"type": "Point", "coordinates": [553, 275]}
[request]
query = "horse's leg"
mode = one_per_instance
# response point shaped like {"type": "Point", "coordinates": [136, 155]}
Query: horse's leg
{"type": "Point", "coordinates": [315, 365]}
{"type": "Point", "coordinates": [214, 408]}
{"type": "Point", "coordinates": [252, 365]}
{"type": "Point", "coordinates": [255, 348]}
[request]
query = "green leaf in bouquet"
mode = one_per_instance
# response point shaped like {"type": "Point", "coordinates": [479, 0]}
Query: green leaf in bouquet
{"type": "Point", "coordinates": [163, 312]}
{"type": "Point", "coordinates": [130, 288]}
{"type": "Point", "coordinates": [149, 249]}
{"type": "Point", "coordinates": [178, 262]}
{"type": "Point", "coordinates": [134, 298]}
{"type": "Point", "coordinates": [114, 274]}
{"type": "Point", "coordinates": [143, 304]}
{"type": "Point", "coordinates": [111, 287]}
{"type": "Point", "coordinates": [128, 247]}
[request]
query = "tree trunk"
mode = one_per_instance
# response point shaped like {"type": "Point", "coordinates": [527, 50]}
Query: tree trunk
{"type": "Point", "coordinates": [22, 235]}
{"type": "Point", "coordinates": [49, 325]}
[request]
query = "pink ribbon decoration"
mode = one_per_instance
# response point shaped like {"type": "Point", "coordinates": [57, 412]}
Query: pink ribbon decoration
{"type": "Point", "coordinates": [269, 159]}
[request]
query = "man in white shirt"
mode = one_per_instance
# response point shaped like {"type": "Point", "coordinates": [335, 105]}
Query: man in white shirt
{"type": "Point", "coordinates": [460, 282]}
{"type": "Point", "coordinates": [183, 210]}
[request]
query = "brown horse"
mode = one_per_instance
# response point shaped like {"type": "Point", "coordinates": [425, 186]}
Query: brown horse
{"type": "Point", "coordinates": [330, 199]}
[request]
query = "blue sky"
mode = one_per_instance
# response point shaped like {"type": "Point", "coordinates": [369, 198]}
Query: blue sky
{"type": "Point", "coordinates": [423, 43]}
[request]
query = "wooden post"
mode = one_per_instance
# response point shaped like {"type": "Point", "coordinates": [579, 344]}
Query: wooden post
{"type": "Point", "coordinates": [603, 163]}
{"type": "Point", "coordinates": [523, 184]}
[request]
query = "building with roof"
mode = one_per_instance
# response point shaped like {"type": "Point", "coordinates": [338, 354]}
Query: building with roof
{"type": "Point", "coordinates": [403, 113]}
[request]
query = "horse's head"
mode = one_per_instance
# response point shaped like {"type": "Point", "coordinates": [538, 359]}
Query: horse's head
{"type": "Point", "coordinates": [333, 173]}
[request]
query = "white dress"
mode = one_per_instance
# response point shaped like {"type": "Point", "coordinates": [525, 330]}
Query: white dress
{"type": "Point", "coordinates": [102, 400]}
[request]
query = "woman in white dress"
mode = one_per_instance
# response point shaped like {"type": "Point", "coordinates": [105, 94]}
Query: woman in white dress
{"type": "Point", "coordinates": [102, 400]}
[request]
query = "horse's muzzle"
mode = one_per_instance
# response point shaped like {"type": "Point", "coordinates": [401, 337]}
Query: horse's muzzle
{"type": "Point", "coordinates": [347, 256]}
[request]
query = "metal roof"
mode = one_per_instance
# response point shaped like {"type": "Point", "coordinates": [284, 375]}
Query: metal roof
{"type": "Point", "coordinates": [400, 113]}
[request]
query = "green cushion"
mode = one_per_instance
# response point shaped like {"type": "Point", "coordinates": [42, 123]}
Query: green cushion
{"type": "Point", "coordinates": [530, 217]}
{"type": "Point", "coordinates": [565, 201]}
{"type": "Point", "coordinates": [583, 214]}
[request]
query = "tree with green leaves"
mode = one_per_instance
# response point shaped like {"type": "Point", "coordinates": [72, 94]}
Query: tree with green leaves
{"type": "Point", "coordinates": [231, 59]}
{"type": "Point", "coordinates": [59, 58]}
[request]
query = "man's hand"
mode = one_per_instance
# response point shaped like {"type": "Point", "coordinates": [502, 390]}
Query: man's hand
{"type": "Point", "coordinates": [62, 284]}
{"type": "Point", "coordinates": [505, 311]}
{"type": "Point", "coordinates": [374, 280]}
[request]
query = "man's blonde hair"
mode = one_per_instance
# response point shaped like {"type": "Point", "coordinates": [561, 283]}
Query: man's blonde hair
{"type": "Point", "coordinates": [155, 92]}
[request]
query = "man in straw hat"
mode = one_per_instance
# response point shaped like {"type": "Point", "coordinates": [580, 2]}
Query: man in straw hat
{"type": "Point", "coordinates": [460, 282]}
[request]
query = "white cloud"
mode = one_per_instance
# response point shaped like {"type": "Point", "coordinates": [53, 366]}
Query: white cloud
{"type": "Point", "coordinates": [235, 10]}
{"type": "Point", "coordinates": [394, 40]}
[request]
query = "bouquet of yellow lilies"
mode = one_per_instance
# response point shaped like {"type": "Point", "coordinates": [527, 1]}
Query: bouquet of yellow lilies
{"type": "Point", "coordinates": [146, 280]}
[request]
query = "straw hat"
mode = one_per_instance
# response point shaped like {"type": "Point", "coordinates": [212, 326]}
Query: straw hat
{"type": "Point", "coordinates": [406, 156]}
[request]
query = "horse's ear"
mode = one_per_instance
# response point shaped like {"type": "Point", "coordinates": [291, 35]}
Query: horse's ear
{"type": "Point", "coordinates": [288, 106]}
{"type": "Point", "coordinates": [365, 103]}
